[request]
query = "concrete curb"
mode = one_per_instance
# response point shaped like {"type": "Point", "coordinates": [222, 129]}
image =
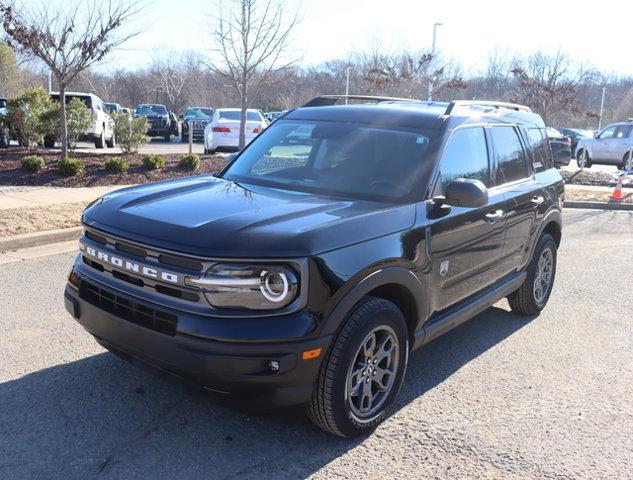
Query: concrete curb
{"type": "Point", "coordinates": [599, 205]}
{"type": "Point", "coordinates": [35, 239]}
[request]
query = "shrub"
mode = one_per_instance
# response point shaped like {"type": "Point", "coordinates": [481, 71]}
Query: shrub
{"type": "Point", "coordinates": [131, 133]}
{"type": "Point", "coordinates": [190, 161]}
{"type": "Point", "coordinates": [153, 162]}
{"type": "Point", "coordinates": [78, 120]}
{"type": "Point", "coordinates": [70, 166]}
{"type": "Point", "coordinates": [33, 163]}
{"type": "Point", "coordinates": [117, 165]}
{"type": "Point", "coordinates": [29, 116]}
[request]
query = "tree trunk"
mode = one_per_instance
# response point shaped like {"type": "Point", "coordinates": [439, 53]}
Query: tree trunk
{"type": "Point", "coordinates": [243, 106]}
{"type": "Point", "coordinates": [63, 126]}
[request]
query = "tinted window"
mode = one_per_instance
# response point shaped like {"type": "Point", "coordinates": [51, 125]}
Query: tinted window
{"type": "Point", "coordinates": [540, 149]}
{"type": "Point", "coordinates": [151, 110]}
{"type": "Point", "coordinates": [336, 158]}
{"type": "Point", "coordinates": [509, 154]}
{"type": "Point", "coordinates": [622, 131]}
{"type": "Point", "coordinates": [607, 132]}
{"type": "Point", "coordinates": [235, 115]}
{"type": "Point", "coordinates": [465, 156]}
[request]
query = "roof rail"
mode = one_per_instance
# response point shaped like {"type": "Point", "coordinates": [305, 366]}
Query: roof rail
{"type": "Point", "coordinates": [328, 100]}
{"type": "Point", "coordinates": [468, 103]}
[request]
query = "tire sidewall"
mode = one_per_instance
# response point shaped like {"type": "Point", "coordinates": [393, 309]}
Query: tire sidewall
{"type": "Point", "coordinates": [347, 423]}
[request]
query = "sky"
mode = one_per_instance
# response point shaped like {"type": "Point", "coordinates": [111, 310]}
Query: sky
{"type": "Point", "coordinates": [593, 33]}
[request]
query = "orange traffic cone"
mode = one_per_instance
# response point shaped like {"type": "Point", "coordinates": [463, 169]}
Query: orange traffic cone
{"type": "Point", "coordinates": [616, 196]}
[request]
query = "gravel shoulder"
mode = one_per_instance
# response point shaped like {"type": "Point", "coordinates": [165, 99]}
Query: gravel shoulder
{"type": "Point", "coordinates": [15, 221]}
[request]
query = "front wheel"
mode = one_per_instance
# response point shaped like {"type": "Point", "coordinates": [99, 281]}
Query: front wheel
{"type": "Point", "coordinates": [533, 295]}
{"type": "Point", "coordinates": [112, 142]}
{"type": "Point", "coordinates": [362, 372]}
{"type": "Point", "coordinates": [100, 140]}
{"type": "Point", "coordinates": [168, 137]}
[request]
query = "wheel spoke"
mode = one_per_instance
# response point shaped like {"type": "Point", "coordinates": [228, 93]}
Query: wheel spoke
{"type": "Point", "coordinates": [370, 346]}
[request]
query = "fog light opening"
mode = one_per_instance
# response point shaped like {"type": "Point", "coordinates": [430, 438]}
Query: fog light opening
{"type": "Point", "coordinates": [273, 365]}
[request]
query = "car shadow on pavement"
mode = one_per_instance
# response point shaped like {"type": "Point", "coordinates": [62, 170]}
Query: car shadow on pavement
{"type": "Point", "coordinates": [101, 417]}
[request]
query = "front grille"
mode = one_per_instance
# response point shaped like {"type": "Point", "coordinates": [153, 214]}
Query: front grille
{"type": "Point", "coordinates": [130, 310]}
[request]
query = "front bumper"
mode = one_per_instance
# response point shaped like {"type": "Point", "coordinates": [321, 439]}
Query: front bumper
{"type": "Point", "coordinates": [239, 370]}
{"type": "Point", "coordinates": [158, 131]}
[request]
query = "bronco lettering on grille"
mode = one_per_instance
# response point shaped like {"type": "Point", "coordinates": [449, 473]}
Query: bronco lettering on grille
{"type": "Point", "coordinates": [132, 266]}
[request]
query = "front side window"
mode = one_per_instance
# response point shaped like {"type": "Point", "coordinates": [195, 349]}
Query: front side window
{"type": "Point", "coordinates": [511, 164]}
{"type": "Point", "coordinates": [607, 133]}
{"type": "Point", "coordinates": [337, 158]}
{"type": "Point", "coordinates": [465, 156]}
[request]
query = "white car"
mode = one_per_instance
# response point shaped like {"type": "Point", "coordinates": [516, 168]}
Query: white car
{"type": "Point", "coordinates": [223, 131]}
{"type": "Point", "coordinates": [102, 129]}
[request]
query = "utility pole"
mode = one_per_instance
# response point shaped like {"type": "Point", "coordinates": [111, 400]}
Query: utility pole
{"type": "Point", "coordinates": [604, 89]}
{"type": "Point", "coordinates": [430, 90]}
{"type": "Point", "coordinates": [50, 81]}
{"type": "Point", "coordinates": [347, 84]}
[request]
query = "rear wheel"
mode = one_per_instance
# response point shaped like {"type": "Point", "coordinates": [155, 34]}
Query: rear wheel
{"type": "Point", "coordinates": [112, 142]}
{"type": "Point", "coordinates": [363, 370]}
{"type": "Point", "coordinates": [100, 140]}
{"type": "Point", "coordinates": [583, 159]}
{"type": "Point", "coordinates": [167, 137]}
{"type": "Point", "coordinates": [49, 142]}
{"type": "Point", "coordinates": [627, 162]}
{"type": "Point", "coordinates": [533, 295]}
{"type": "Point", "coordinates": [5, 137]}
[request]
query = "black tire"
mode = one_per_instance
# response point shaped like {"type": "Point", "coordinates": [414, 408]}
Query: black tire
{"type": "Point", "coordinates": [184, 138]}
{"type": "Point", "coordinates": [167, 137]}
{"type": "Point", "coordinates": [524, 300]}
{"type": "Point", "coordinates": [625, 159]}
{"type": "Point", "coordinates": [100, 140]}
{"type": "Point", "coordinates": [330, 408]}
{"type": "Point", "coordinates": [588, 162]}
{"type": "Point", "coordinates": [112, 142]}
{"type": "Point", "coordinates": [5, 137]}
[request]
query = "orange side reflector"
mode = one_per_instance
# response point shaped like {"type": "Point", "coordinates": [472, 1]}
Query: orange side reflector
{"type": "Point", "coordinates": [314, 353]}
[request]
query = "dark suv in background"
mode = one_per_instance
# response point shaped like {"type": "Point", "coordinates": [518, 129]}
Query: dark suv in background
{"type": "Point", "coordinates": [198, 118]}
{"type": "Point", "coordinates": [308, 270]}
{"type": "Point", "coordinates": [159, 118]}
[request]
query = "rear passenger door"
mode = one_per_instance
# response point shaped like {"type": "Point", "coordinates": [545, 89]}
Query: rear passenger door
{"type": "Point", "coordinates": [512, 177]}
{"type": "Point", "coordinates": [466, 243]}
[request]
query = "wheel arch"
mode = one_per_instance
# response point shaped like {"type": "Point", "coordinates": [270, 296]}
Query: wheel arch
{"type": "Point", "coordinates": [395, 284]}
{"type": "Point", "coordinates": [552, 224]}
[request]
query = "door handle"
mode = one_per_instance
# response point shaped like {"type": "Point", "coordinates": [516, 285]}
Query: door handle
{"type": "Point", "coordinates": [495, 215]}
{"type": "Point", "coordinates": [536, 201]}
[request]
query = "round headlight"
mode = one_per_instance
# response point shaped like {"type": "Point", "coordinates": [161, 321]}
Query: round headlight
{"type": "Point", "coordinates": [274, 286]}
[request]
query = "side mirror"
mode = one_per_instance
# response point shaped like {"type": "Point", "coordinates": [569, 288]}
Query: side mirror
{"type": "Point", "coordinates": [465, 192]}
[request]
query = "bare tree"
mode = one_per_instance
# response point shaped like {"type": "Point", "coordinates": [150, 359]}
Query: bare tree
{"type": "Point", "coordinates": [68, 41]}
{"type": "Point", "coordinates": [251, 37]}
{"type": "Point", "coordinates": [548, 83]}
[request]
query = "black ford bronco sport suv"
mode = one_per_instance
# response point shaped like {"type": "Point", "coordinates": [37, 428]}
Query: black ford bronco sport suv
{"type": "Point", "coordinates": [341, 239]}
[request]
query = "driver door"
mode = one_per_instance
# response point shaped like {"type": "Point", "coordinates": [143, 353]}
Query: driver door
{"type": "Point", "coordinates": [601, 145]}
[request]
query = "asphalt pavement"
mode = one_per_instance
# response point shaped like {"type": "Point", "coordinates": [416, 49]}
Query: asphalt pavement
{"type": "Point", "coordinates": [501, 396]}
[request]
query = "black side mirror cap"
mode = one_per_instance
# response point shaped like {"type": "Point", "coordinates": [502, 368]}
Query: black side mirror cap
{"type": "Point", "coordinates": [465, 192]}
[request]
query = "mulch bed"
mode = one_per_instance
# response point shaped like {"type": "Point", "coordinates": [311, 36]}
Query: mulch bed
{"type": "Point", "coordinates": [95, 173]}
{"type": "Point", "coordinates": [586, 177]}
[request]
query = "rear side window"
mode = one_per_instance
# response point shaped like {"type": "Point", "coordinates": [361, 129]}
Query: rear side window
{"type": "Point", "coordinates": [466, 156]}
{"type": "Point", "coordinates": [541, 154]}
{"type": "Point", "coordinates": [511, 164]}
{"type": "Point", "coordinates": [623, 131]}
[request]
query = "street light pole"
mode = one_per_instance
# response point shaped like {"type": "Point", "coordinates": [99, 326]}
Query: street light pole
{"type": "Point", "coordinates": [430, 90]}
{"type": "Point", "coordinates": [604, 89]}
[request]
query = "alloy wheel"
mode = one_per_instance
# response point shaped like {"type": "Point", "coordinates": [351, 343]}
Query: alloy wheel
{"type": "Point", "coordinates": [372, 374]}
{"type": "Point", "coordinates": [543, 278]}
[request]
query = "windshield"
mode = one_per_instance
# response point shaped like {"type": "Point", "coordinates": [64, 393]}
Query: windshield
{"type": "Point", "coordinates": [199, 112]}
{"type": "Point", "coordinates": [235, 115]}
{"type": "Point", "coordinates": [151, 110]}
{"type": "Point", "coordinates": [335, 158]}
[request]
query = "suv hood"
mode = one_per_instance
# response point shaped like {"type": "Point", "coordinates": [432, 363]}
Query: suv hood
{"type": "Point", "coordinates": [213, 217]}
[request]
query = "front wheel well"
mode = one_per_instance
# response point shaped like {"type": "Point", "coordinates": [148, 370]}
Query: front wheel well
{"type": "Point", "coordinates": [553, 229]}
{"type": "Point", "coordinates": [403, 299]}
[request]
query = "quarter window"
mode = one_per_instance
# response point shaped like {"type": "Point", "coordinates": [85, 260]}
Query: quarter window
{"type": "Point", "coordinates": [540, 149]}
{"type": "Point", "coordinates": [466, 156]}
{"type": "Point", "coordinates": [511, 164]}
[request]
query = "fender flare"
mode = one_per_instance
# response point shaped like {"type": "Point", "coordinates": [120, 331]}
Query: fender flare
{"type": "Point", "coordinates": [385, 276]}
{"type": "Point", "coordinates": [553, 216]}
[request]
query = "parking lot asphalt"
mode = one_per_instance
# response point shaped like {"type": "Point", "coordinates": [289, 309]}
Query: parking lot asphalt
{"type": "Point", "coordinates": [501, 396]}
